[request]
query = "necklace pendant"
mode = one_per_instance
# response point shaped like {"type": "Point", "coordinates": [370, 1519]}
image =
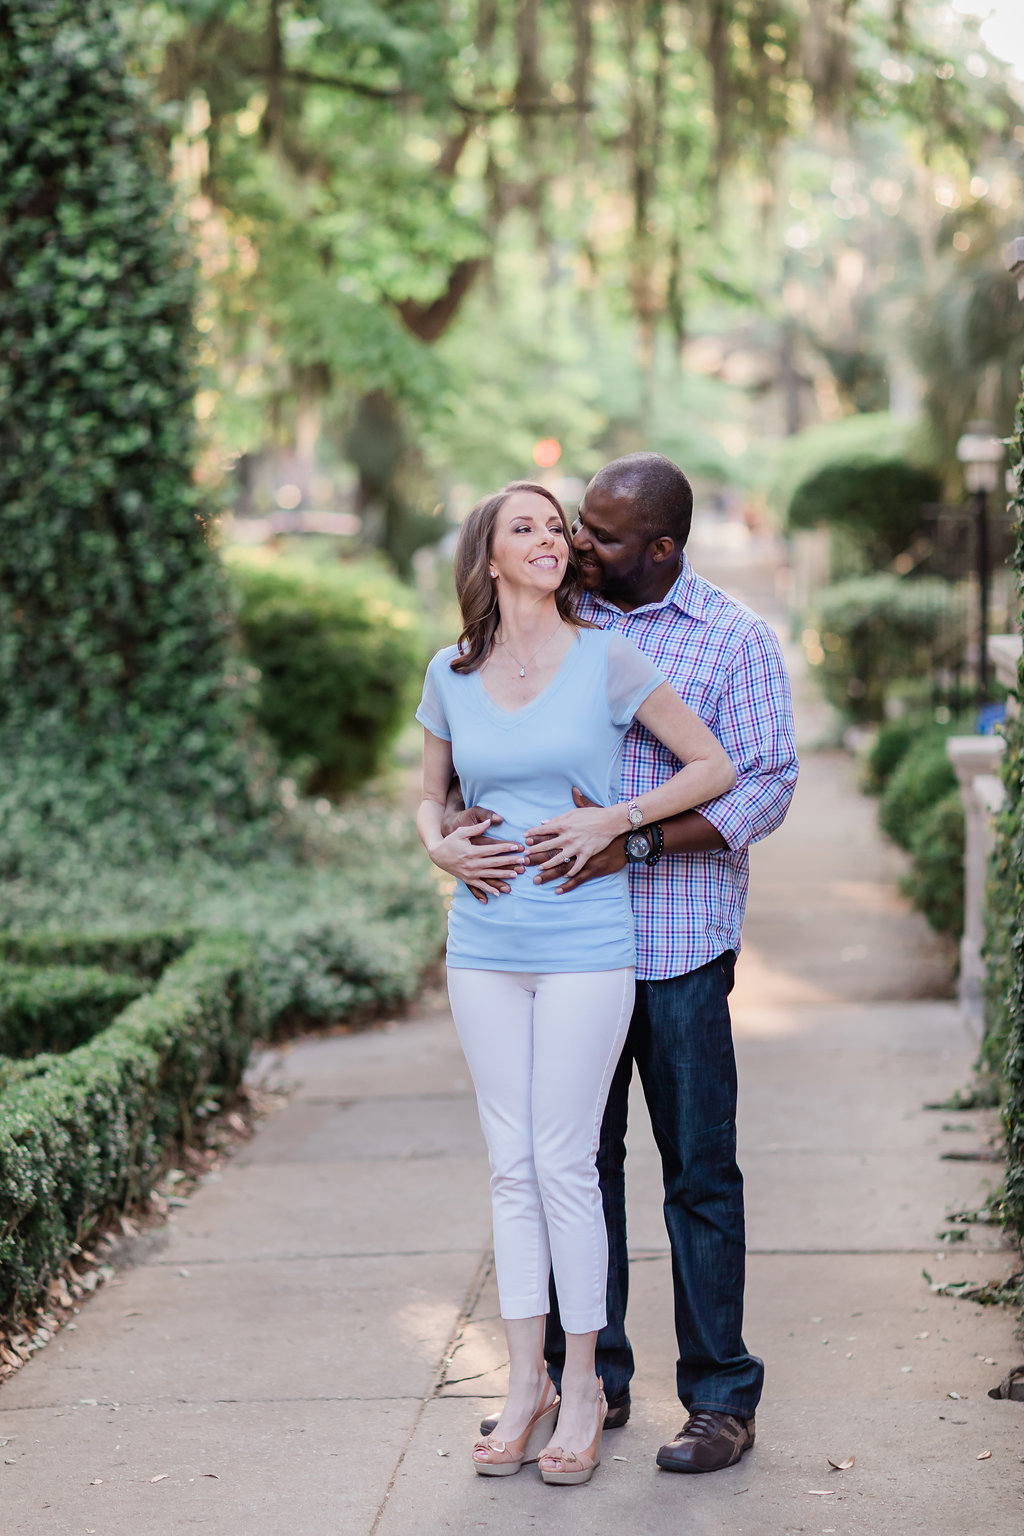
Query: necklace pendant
{"type": "Point", "coordinates": [522, 671]}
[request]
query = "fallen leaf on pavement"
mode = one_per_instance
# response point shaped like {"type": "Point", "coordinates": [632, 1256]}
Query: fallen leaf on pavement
{"type": "Point", "coordinates": [842, 1466]}
{"type": "Point", "coordinates": [97, 1482]}
{"type": "Point", "coordinates": [983, 1456]}
{"type": "Point", "coordinates": [160, 1477]}
{"type": "Point", "coordinates": [822, 1493]}
{"type": "Point", "coordinates": [955, 1396]}
{"type": "Point", "coordinates": [444, 1453]}
{"type": "Point", "coordinates": [217, 1474]}
{"type": "Point", "coordinates": [620, 1458]}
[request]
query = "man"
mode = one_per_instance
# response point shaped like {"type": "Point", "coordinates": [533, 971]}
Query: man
{"type": "Point", "coordinates": [688, 884]}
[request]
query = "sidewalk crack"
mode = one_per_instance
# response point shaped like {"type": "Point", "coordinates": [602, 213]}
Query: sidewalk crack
{"type": "Point", "coordinates": [477, 1284]}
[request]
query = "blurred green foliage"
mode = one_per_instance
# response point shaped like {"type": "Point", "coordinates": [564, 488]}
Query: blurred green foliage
{"type": "Point", "coordinates": [923, 777]}
{"type": "Point", "coordinates": [340, 650]}
{"type": "Point", "coordinates": [116, 672]}
{"type": "Point", "coordinates": [895, 738]}
{"type": "Point", "coordinates": [878, 504]}
{"type": "Point", "coordinates": [876, 630]}
{"type": "Point", "coordinates": [1002, 1051]}
{"type": "Point", "coordinates": [862, 438]}
{"type": "Point", "coordinates": [135, 951]}
{"type": "Point", "coordinates": [935, 883]}
{"type": "Point", "coordinates": [137, 806]}
{"type": "Point", "coordinates": [442, 232]}
{"type": "Point", "coordinates": [920, 809]}
{"type": "Point", "coordinates": [342, 908]}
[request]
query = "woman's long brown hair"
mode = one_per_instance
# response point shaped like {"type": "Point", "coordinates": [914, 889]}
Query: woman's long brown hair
{"type": "Point", "coordinates": [478, 594]}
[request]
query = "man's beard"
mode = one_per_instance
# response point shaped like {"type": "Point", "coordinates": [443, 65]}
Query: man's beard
{"type": "Point", "coordinates": [622, 583]}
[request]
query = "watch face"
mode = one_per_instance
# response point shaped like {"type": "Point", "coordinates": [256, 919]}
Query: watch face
{"type": "Point", "coordinates": [638, 846]}
{"type": "Point", "coordinates": [636, 816]}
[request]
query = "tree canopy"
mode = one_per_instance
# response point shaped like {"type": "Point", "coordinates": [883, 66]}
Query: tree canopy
{"type": "Point", "coordinates": [382, 188]}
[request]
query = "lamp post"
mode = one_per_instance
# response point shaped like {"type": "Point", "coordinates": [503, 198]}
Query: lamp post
{"type": "Point", "coordinates": [981, 454]}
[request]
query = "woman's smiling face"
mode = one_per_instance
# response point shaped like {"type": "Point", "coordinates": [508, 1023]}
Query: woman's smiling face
{"type": "Point", "coordinates": [529, 548]}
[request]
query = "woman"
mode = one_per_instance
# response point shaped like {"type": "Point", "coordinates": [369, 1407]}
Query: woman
{"type": "Point", "coordinates": [530, 702]}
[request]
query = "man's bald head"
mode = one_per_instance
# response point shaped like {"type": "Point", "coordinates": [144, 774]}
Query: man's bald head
{"type": "Point", "coordinates": [659, 492]}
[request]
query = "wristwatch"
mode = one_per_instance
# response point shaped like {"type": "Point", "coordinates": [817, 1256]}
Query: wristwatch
{"type": "Point", "coordinates": [635, 814]}
{"type": "Point", "coordinates": [645, 845]}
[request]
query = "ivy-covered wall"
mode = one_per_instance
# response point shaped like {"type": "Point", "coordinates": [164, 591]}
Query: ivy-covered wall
{"type": "Point", "coordinates": [115, 654]}
{"type": "Point", "coordinates": [1003, 1050]}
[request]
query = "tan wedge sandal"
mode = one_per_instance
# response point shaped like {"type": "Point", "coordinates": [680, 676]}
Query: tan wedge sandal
{"type": "Point", "coordinates": [500, 1458]}
{"type": "Point", "coordinates": [558, 1466]}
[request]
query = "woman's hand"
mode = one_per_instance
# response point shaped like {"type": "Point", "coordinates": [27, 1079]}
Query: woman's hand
{"type": "Point", "coordinates": [574, 837]}
{"type": "Point", "coordinates": [480, 863]}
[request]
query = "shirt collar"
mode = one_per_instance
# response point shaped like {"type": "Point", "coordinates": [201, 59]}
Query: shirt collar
{"type": "Point", "coordinates": [685, 594]}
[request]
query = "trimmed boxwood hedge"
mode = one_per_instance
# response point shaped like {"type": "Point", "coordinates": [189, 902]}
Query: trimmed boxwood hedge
{"type": "Point", "coordinates": [935, 883]}
{"type": "Point", "coordinates": [135, 952]}
{"type": "Point", "coordinates": [90, 1132]}
{"type": "Point", "coordinates": [58, 1007]}
{"type": "Point", "coordinates": [920, 809]}
{"type": "Point", "coordinates": [339, 650]}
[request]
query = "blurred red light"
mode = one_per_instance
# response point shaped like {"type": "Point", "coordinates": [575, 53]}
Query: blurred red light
{"type": "Point", "coordinates": [547, 452]}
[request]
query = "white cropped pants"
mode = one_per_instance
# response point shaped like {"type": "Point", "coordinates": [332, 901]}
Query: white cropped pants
{"type": "Point", "coordinates": [542, 1050]}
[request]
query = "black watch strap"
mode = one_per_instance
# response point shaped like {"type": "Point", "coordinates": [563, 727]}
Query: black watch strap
{"type": "Point", "coordinates": [657, 843]}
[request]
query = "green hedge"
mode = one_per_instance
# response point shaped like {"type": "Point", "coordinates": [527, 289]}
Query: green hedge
{"type": "Point", "coordinates": [91, 1132]}
{"type": "Point", "coordinates": [935, 884]}
{"type": "Point", "coordinates": [1003, 1046]}
{"type": "Point", "coordinates": [880, 504]}
{"type": "Point", "coordinates": [338, 649]}
{"type": "Point", "coordinates": [892, 742]}
{"type": "Point", "coordinates": [343, 911]}
{"type": "Point", "coordinates": [876, 631]}
{"type": "Point", "coordinates": [922, 778]}
{"type": "Point", "coordinates": [920, 809]}
{"type": "Point", "coordinates": [135, 952]}
{"type": "Point", "coordinates": [58, 1007]}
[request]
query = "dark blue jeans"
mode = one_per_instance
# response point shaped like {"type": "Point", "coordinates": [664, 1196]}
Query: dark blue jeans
{"type": "Point", "coordinates": [680, 1038]}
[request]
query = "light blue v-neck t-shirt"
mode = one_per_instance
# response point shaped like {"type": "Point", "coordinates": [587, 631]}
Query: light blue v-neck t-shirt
{"type": "Point", "coordinates": [523, 764]}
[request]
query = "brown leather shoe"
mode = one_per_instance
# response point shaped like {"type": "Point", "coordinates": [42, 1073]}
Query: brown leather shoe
{"type": "Point", "coordinates": [615, 1418]}
{"type": "Point", "coordinates": [707, 1442]}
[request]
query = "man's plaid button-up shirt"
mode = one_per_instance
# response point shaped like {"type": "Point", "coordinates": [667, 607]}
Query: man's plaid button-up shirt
{"type": "Point", "coordinates": [725, 662]}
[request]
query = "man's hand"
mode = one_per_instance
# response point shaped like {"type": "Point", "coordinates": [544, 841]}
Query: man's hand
{"type": "Point", "coordinates": [456, 816]}
{"type": "Point", "coordinates": [606, 862]}
{"type": "Point", "coordinates": [687, 833]}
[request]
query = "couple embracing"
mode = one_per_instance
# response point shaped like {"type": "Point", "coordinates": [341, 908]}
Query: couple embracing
{"type": "Point", "coordinates": [620, 731]}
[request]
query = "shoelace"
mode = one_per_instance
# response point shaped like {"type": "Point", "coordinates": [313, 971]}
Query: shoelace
{"type": "Point", "coordinates": [702, 1424]}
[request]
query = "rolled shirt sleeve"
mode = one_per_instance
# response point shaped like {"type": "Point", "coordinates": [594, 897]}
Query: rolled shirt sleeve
{"type": "Point", "coordinates": [754, 723]}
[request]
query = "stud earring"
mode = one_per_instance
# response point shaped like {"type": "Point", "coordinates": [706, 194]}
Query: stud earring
{"type": "Point", "coordinates": [494, 575]}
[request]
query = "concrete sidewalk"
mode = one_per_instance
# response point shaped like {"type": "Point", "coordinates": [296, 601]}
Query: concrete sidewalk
{"type": "Point", "coordinates": [309, 1347]}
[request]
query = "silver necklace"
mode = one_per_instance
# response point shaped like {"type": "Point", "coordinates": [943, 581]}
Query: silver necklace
{"type": "Point", "coordinates": [522, 665]}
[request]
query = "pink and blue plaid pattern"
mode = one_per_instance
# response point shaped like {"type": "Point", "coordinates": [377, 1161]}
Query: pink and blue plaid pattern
{"type": "Point", "coordinates": [724, 662]}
